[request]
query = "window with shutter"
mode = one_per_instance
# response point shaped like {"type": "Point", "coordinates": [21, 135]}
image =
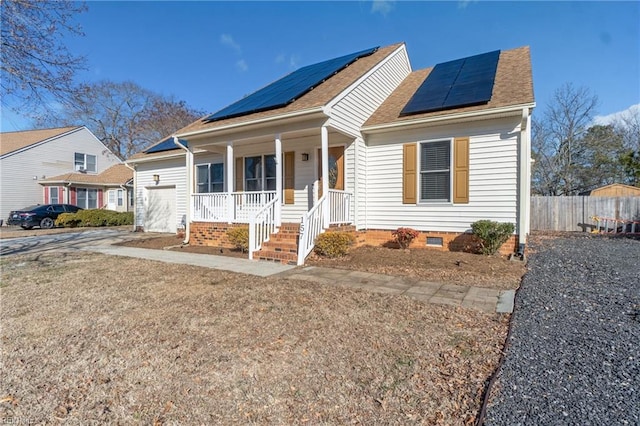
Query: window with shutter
{"type": "Point", "coordinates": [435, 171]}
{"type": "Point", "coordinates": [443, 171]}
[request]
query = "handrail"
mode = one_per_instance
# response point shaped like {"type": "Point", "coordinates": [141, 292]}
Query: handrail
{"type": "Point", "coordinates": [311, 226]}
{"type": "Point", "coordinates": [232, 207]}
{"type": "Point", "coordinates": [261, 225]}
{"type": "Point", "coordinates": [339, 207]}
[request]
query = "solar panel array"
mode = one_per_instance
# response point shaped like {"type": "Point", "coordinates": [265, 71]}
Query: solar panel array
{"type": "Point", "coordinates": [289, 88]}
{"type": "Point", "coordinates": [165, 145]}
{"type": "Point", "coordinates": [463, 82]}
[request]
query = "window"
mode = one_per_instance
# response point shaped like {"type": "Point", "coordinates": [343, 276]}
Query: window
{"type": "Point", "coordinates": [260, 173]}
{"type": "Point", "coordinates": [87, 198]}
{"type": "Point", "coordinates": [112, 197]}
{"type": "Point", "coordinates": [85, 162]}
{"type": "Point", "coordinates": [54, 197]}
{"type": "Point", "coordinates": [210, 178]}
{"type": "Point", "coordinates": [435, 171]}
{"type": "Point", "coordinates": [120, 198]}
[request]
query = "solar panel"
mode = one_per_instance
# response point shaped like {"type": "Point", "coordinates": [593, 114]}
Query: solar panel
{"type": "Point", "coordinates": [463, 82]}
{"type": "Point", "coordinates": [289, 88]}
{"type": "Point", "coordinates": [165, 145]}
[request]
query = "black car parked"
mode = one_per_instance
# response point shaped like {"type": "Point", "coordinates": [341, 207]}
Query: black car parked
{"type": "Point", "coordinates": [42, 215]}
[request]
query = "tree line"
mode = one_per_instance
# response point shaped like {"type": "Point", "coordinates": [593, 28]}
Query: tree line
{"type": "Point", "coordinates": [572, 154]}
{"type": "Point", "coordinates": [38, 79]}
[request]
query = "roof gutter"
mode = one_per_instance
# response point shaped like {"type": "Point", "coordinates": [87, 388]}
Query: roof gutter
{"type": "Point", "coordinates": [258, 122]}
{"type": "Point", "coordinates": [189, 170]}
{"type": "Point", "coordinates": [159, 157]}
{"type": "Point", "coordinates": [471, 115]}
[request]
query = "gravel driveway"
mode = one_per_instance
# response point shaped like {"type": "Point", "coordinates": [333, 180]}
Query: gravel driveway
{"type": "Point", "coordinates": [573, 356]}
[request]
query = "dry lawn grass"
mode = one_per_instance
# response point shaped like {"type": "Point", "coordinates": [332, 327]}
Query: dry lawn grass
{"type": "Point", "coordinates": [90, 338]}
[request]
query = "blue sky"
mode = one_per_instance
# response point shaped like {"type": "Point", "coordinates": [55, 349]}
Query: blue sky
{"type": "Point", "coordinates": [210, 54]}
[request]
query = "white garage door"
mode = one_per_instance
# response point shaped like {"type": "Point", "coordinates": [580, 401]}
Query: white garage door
{"type": "Point", "coordinates": [160, 210]}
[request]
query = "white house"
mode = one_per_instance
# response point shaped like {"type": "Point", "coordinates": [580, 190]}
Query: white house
{"type": "Point", "coordinates": [28, 158]}
{"type": "Point", "coordinates": [434, 149]}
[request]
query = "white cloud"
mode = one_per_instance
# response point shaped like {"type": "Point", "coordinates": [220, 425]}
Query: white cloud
{"type": "Point", "coordinates": [227, 40]}
{"type": "Point", "coordinates": [382, 7]}
{"type": "Point", "coordinates": [603, 120]}
{"type": "Point", "coordinates": [292, 60]}
{"type": "Point", "coordinates": [462, 4]}
{"type": "Point", "coordinates": [242, 65]}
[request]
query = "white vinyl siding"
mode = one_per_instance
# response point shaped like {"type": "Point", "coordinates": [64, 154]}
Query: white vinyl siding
{"type": "Point", "coordinates": [353, 107]}
{"type": "Point", "coordinates": [172, 174]}
{"type": "Point", "coordinates": [44, 160]}
{"type": "Point", "coordinates": [493, 178]}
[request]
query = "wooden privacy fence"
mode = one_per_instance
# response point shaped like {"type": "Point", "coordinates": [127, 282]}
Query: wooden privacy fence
{"type": "Point", "coordinates": [576, 213]}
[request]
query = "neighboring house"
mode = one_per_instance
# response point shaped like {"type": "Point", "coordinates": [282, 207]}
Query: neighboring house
{"type": "Point", "coordinates": [435, 150]}
{"type": "Point", "coordinates": [111, 189]}
{"type": "Point", "coordinates": [614, 190]}
{"type": "Point", "coordinates": [29, 157]}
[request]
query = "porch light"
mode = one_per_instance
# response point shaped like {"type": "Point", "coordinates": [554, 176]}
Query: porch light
{"type": "Point", "coordinates": [305, 156]}
{"type": "Point", "coordinates": [156, 178]}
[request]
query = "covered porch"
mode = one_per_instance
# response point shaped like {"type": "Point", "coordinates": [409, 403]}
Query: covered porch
{"type": "Point", "coordinates": [266, 179]}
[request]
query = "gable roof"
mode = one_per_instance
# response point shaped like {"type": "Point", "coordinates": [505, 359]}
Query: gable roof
{"type": "Point", "coordinates": [317, 97]}
{"type": "Point", "coordinates": [116, 175]}
{"type": "Point", "coordinates": [13, 141]}
{"type": "Point", "coordinates": [513, 85]}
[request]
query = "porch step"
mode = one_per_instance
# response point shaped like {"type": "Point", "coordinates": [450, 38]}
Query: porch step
{"type": "Point", "coordinates": [284, 257]}
{"type": "Point", "coordinates": [281, 247]}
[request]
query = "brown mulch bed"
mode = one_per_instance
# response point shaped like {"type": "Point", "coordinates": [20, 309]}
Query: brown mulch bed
{"type": "Point", "coordinates": [172, 242]}
{"type": "Point", "coordinates": [432, 265]}
{"type": "Point", "coordinates": [148, 342]}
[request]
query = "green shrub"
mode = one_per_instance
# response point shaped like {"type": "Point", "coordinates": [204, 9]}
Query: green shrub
{"type": "Point", "coordinates": [68, 220]}
{"type": "Point", "coordinates": [239, 237]}
{"type": "Point", "coordinates": [95, 217]}
{"type": "Point", "coordinates": [404, 236]}
{"type": "Point", "coordinates": [491, 235]}
{"type": "Point", "coordinates": [333, 244]}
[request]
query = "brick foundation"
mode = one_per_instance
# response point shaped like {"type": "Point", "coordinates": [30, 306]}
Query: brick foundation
{"type": "Point", "coordinates": [451, 241]}
{"type": "Point", "coordinates": [215, 234]}
{"type": "Point", "coordinates": [212, 234]}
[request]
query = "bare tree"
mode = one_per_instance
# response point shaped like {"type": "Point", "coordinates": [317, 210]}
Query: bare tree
{"type": "Point", "coordinates": [557, 140]}
{"type": "Point", "coordinates": [124, 116]}
{"type": "Point", "coordinates": [36, 66]}
{"type": "Point", "coordinates": [628, 125]}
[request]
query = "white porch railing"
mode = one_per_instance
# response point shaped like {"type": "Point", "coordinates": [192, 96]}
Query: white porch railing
{"type": "Point", "coordinates": [261, 225]}
{"type": "Point", "coordinates": [339, 207]}
{"type": "Point", "coordinates": [311, 226]}
{"type": "Point", "coordinates": [235, 207]}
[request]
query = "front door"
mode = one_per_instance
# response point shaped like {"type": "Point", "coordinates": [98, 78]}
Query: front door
{"type": "Point", "coordinates": [336, 168]}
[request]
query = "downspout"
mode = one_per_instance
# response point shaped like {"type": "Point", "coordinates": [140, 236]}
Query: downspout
{"type": "Point", "coordinates": [135, 195]}
{"type": "Point", "coordinates": [524, 187]}
{"type": "Point", "coordinates": [189, 166]}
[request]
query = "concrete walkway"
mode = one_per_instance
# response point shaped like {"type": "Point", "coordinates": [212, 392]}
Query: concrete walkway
{"type": "Point", "coordinates": [483, 299]}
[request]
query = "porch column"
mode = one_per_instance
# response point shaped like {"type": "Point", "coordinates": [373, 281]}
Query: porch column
{"type": "Point", "coordinates": [278, 205]}
{"type": "Point", "coordinates": [324, 136]}
{"type": "Point", "coordinates": [229, 180]}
